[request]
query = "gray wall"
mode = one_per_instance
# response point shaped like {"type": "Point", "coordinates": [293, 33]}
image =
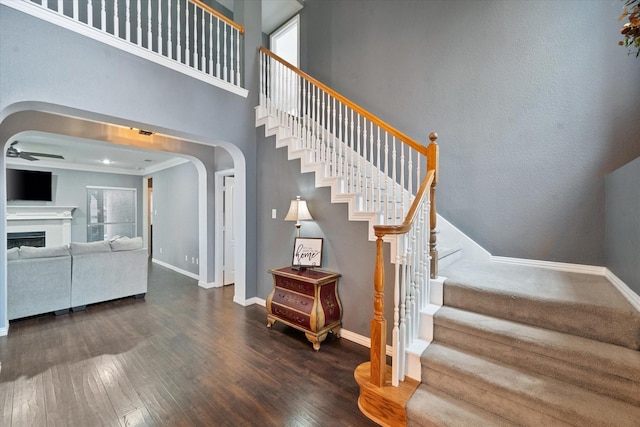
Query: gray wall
{"type": "Point", "coordinates": [70, 189]}
{"type": "Point", "coordinates": [175, 217]}
{"type": "Point", "coordinates": [623, 224]}
{"type": "Point", "coordinates": [534, 103]}
{"type": "Point", "coordinates": [346, 249]}
{"type": "Point", "coordinates": [51, 69]}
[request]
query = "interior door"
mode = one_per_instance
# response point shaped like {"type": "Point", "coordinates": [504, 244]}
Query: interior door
{"type": "Point", "coordinates": [229, 238]}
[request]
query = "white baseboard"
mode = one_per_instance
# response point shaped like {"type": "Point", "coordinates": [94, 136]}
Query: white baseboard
{"type": "Point", "coordinates": [177, 270]}
{"type": "Point", "coordinates": [256, 300]}
{"type": "Point", "coordinates": [209, 285]}
{"type": "Point", "coordinates": [560, 266]}
{"type": "Point", "coordinates": [4, 331]}
{"type": "Point", "coordinates": [360, 339]}
{"type": "Point", "coordinates": [626, 291]}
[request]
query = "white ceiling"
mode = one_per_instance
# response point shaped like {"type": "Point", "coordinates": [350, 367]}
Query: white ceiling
{"type": "Point", "coordinates": [82, 154]}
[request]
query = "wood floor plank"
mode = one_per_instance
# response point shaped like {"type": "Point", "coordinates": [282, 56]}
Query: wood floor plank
{"type": "Point", "coordinates": [28, 402]}
{"type": "Point", "coordinates": [182, 356]}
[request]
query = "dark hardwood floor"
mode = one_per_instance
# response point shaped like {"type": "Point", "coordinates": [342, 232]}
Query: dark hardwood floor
{"type": "Point", "coordinates": [184, 356]}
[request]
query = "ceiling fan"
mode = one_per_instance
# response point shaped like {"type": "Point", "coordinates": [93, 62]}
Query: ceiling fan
{"type": "Point", "coordinates": [14, 151]}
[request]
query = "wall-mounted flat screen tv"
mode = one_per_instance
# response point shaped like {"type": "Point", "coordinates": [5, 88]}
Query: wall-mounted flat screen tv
{"type": "Point", "coordinates": [29, 185]}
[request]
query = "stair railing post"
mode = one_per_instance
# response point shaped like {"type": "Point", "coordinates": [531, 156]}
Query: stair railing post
{"type": "Point", "coordinates": [433, 160]}
{"type": "Point", "coordinates": [378, 323]}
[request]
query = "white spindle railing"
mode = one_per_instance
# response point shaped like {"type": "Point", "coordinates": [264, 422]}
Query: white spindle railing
{"type": "Point", "coordinates": [187, 31]}
{"type": "Point", "coordinates": [370, 160]}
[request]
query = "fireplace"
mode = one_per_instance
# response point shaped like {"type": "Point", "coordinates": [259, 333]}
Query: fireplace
{"type": "Point", "coordinates": [53, 221]}
{"type": "Point", "coordinates": [29, 238]}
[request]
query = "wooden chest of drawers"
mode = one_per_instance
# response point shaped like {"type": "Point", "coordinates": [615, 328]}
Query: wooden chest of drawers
{"type": "Point", "coordinates": [306, 300]}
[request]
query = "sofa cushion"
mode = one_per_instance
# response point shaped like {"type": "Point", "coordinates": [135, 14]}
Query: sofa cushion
{"type": "Point", "coordinates": [78, 248]}
{"type": "Point", "coordinates": [13, 253]}
{"type": "Point", "coordinates": [126, 244]}
{"type": "Point", "coordinates": [50, 252]}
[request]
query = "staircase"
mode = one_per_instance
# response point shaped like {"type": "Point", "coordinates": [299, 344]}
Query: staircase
{"type": "Point", "coordinates": [496, 344]}
{"type": "Point", "coordinates": [521, 345]}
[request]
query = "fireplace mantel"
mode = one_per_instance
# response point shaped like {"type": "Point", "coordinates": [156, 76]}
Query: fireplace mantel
{"type": "Point", "coordinates": [39, 212]}
{"type": "Point", "coordinates": [55, 221]}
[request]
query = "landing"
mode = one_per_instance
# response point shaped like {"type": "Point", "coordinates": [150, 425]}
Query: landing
{"type": "Point", "coordinates": [582, 304]}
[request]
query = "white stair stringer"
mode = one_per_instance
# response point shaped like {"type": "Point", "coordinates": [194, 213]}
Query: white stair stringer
{"type": "Point", "coordinates": [284, 138]}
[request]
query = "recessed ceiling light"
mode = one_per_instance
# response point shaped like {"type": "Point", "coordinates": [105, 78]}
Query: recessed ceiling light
{"type": "Point", "coordinates": [106, 162]}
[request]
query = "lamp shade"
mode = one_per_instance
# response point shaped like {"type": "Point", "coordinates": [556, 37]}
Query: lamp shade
{"type": "Point", "coordinates": [298, 211]}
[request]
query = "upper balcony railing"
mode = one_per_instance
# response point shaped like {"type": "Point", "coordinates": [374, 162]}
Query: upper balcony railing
{"type": "Point", "coordinates": [186, 32]}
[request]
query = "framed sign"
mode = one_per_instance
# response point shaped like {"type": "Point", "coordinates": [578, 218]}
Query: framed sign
{"type": "Point", "coordinates": [307, 252]}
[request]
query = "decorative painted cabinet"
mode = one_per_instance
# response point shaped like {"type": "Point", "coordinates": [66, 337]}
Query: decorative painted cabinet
{"type": "Point", "coordinates": [306, 300]}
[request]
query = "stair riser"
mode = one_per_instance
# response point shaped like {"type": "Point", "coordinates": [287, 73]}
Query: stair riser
{"type": "Point", "coordinates": [547, 364]}
{"type": "Point", "coordinates": [489, 401]}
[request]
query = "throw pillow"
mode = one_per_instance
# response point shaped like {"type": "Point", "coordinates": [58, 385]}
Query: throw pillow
{"type": "Point", "coordinates": [51, 252]}
{"type": "Point", "coordinates": [126, 244]}
{"type": "Point", "coordinates": [78, 248]}
{"type": "Point", "coordinates": [13, 253]}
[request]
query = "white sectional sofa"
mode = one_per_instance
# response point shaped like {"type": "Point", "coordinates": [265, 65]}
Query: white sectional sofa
{"type": "Point", "coordinates": [42, 280]}
{"type": "Point", "coordinates": [38, 281]}
{"type": "Point", "coordinates": [107, 270]}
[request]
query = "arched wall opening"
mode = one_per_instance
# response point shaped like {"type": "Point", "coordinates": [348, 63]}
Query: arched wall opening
{"type": "Point", "coordinates": [85, 125]}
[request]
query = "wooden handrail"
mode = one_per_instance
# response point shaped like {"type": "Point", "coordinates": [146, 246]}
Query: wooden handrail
{"type": "Point", "coordinates": [237, 26]}
{"type": "Point", "coordinates": [383, 230]}
{"type": "Point", "coordinates": [393, 131]}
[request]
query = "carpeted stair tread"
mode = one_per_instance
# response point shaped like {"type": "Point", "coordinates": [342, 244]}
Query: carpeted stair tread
{"type": "Point", "coordinates": [601, 367]}
{"type": "Point", "coordinates": [520, 396]}
{"type": "Point", "coordinates": [431, 407]}
{"type": "Point", "coordinates": [580, 304]}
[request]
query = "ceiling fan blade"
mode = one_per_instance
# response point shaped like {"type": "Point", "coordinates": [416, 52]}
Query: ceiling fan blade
{"type": "Point", "coordinates": [26, 156]}
{"type": "Point", "coordinates": [53, 156]}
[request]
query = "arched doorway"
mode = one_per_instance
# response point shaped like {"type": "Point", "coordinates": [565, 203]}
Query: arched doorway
{"type": "Point", "coordinates": [79, 124]}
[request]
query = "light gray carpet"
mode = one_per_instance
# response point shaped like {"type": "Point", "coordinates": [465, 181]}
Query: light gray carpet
{"type": "Point", "coordinates": [529, 346]}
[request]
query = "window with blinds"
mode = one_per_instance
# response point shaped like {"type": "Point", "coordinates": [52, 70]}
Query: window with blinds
{"type": "Point", "coordinates": [110, 212]}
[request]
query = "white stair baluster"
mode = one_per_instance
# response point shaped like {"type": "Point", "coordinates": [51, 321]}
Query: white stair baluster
{"type": "Point", "coordinates": [138, 23]}
{"type": "Point", "coordinates": [224, 57]}
{"type": "Point", "coordinates": [352, 184]}
{"type": "Point", "coordinates": [195, 37]}
{"type": "Point", "coordinates": [203, 51]}
{"type": "Point", "coordinates": [211, 45]}
{"type": "Point", "coordinates": [218, 48]}
{"type": "Point", "coordinates": [386, 175]}
{"type": "Point", "coordinates": [149, 28]}
{"type": "Point", "coordinates": [178, 33]}
{"type": "Point", "coordinates": [371, 173]}
{"type": "Point", "coordinates": [402, 190]}
{"type": "Point", "coordinates": [169, 35]}
{"type": "Point", "coordinates": [127, 30]}
{"type": "Point", "coordinates": [75, 11]}
{"type": "Point", "coordinates": [90, 13]}
{"type": "Point", "coordinates": [116, 23]}
{"type": "Point", "coordinates": [187, 50]}
{"type": "Point", "coordinates": [103, 16]}
{"type": "Point", "coordinates": [360, 153]}
{"type": "Point", "coordinates": [340, 140]}
{"type": "Point", "coordinates": [378, 207]}
{"type": "Point", "coordinates": [238, 58]}
{"type": "Point", "coordinates": [394, 208]}
{"type": "Point", "coordinates": [160, 44]}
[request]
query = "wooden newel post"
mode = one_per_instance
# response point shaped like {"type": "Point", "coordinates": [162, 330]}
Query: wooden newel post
{"type": "Point", "coordinates": [433, 163]}
{"type": "Point", "coordinates": [378, 323]}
